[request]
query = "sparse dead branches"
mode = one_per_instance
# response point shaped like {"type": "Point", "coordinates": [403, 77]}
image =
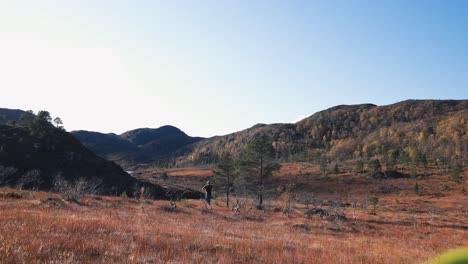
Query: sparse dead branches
{"type": "Point", "coordinates": [31, 179]}
{"type": "Point", "coordinates": [73, 190]}
{"type": "Point", "coordinates": [6, 173]}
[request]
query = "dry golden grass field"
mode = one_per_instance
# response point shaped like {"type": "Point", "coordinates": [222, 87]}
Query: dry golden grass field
{"type": "Point", "coordinates": [41, 227]}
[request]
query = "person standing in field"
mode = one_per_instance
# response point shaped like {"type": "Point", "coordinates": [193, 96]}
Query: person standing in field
{"type": "Point", "coordinates": [208, 188]}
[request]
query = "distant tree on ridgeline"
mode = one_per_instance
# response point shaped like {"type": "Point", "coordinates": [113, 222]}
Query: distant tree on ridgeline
{"type": "Point", "coordinates": [359, 168]}
{"type": "Point", "coordinates": [58, 122]}
{"type": "Point", "coordinates": [403, 158]}
{"type": "Point", "coordinates": [323, 164]}
{"type": "Point", "coordinates": [455, 172]}
{"type": "Point", "coordinates": [393, 156]}
{"type": "Point", "coordinates": [336, 169]}
{"type": "Point", "coordinates": [375, 166]}
{"type": "Point", "coordinates": [375, 169]}
{"type": "Point", "coordinates": [44, 116]}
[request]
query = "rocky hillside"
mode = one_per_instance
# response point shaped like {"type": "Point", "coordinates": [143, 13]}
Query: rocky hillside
{"type": "Point", "coordinates": [31, 160]}
{"type": "Point", "coordinates": [436, 128]}
{"type": "Point", "coordinates": [144, 145]}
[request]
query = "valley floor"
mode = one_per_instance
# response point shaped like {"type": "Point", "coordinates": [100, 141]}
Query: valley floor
{"type": "Point", "coordinates": [37, 227]}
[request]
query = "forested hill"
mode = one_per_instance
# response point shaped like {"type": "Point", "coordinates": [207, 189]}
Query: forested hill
{"type": "Point", "coordinates": [436, 129]}
{"type": "Point", "coordinates": [35, 154]}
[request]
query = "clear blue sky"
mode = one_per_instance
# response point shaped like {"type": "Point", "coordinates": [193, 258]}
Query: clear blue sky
{"type": "Point", "coordinates": [215, 67]}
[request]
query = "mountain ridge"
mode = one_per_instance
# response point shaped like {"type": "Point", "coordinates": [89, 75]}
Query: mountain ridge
{"type": "Point", "coordinates": [141, 145]}
{"type": "Point", "coordinates": [331, 131]}
{"type": "Point", "coordinates": [339, 132]}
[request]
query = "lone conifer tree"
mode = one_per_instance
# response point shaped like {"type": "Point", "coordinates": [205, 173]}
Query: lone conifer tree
{"type": "Point", "coordinates": [225, 171]}
{"type": "Point", "coordinates": [258, 160]}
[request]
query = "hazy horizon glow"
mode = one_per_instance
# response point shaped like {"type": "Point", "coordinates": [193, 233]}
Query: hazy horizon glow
{"type": "Point", "coordinates": [216, 67]}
